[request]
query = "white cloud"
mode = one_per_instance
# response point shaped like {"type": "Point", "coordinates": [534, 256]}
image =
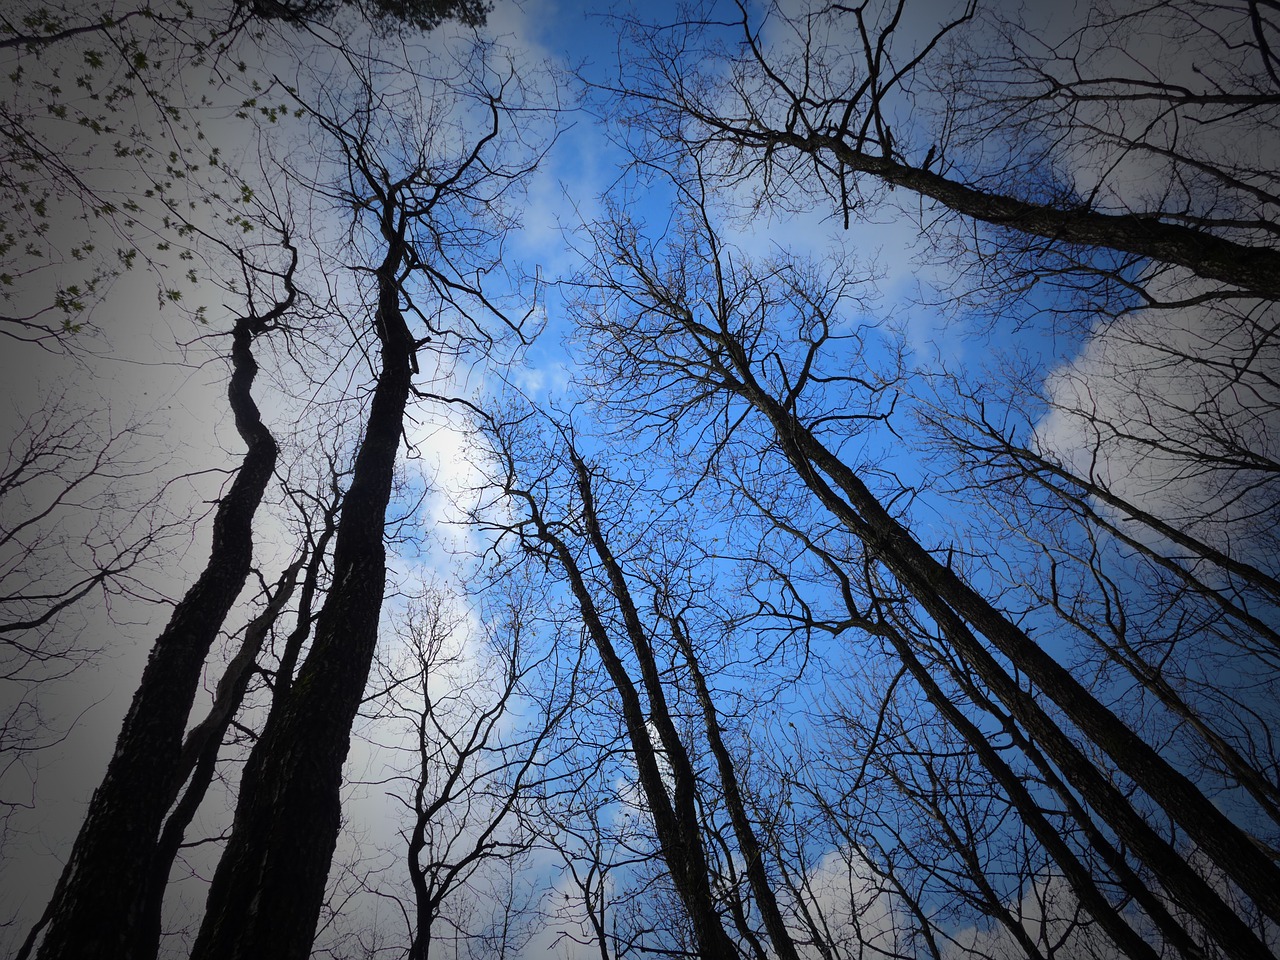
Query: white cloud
{"type": "Point", "coordinates": [1051, 917]}
{"type": "Point", "coordinates": [849, 904]}
{"type": "Point", "coordinates": [1174, 411]}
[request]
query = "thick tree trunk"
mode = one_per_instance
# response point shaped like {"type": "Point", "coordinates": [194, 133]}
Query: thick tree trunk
{"type": "Point", "coordinates": [96, 910]}
{"type": "Point", "coordinates": [199, 760]}
{"type": "Point", "coordinates": [268, 890]}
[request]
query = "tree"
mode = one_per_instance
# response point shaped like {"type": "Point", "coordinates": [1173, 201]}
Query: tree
{"type": "Point", "coordinates": [453, 702]}
{"type": "Point", "coordinates": [780, 638]}
{"type": "Point", "coordinates": [118, 832]}
{"type": "Point", "coordinates": [777, 99]}
{"type": "Point", "coordinates": [659, 752]}
{"type": "Point", "coordinates": [1180, 564]}
{"type": "Point", "coordinates": [112, 858]}
{"type": "Point", "coordinates": [432, 204]}
{"type": "Point", "coordinates": [202, 745]}
{"type": "Point", "coordinates": [639, 601]}
{"type": "Point", "coordinates": [699, 325]}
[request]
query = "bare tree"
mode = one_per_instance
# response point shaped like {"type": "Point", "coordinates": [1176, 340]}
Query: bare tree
{"type": "Point", "coordinates": [636, 589]}
{"type": "Point", "coordinates": [663, 767]}
{"type": "Point", "coordinates": [456, 692]}
{"type": "Point", "coordinates": [716, 339]}
{"type": "Point", "coordinates": [837, 98]}
{"type": "Point", "coordinates": [433, 205]}
{"type": "Point", "coordinates": [111, 859]}
{"type": "Point", "coordinates": [1216, 594]}
{"type": "Point", "coordinates": [203, 745]}
{"type": "Point", "coordinates": [77, 528]}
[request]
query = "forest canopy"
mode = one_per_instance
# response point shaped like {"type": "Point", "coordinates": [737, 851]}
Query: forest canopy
{"type": "Point", "coordinates": [735, 480]}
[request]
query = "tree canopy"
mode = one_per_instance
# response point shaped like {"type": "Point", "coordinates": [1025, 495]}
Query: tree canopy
{"type": "Point", "coordinates": [736, 480]}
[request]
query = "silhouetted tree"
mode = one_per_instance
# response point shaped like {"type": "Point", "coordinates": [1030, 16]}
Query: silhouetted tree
{"type": "Point", "coordinates": [433, 208]}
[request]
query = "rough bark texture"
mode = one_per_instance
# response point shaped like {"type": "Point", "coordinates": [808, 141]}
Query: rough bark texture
{"type": "Point", "coordinates": [96, 911]}
{"type": "Point", "coordinates": [266, 895]}
{"type": "Point", "coordinates": [199, 760]}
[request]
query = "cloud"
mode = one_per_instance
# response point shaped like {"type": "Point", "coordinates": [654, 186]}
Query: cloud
{"type": "Point", "coordinates": [847, 902]}
{"type": "Point", "coordinates": [1174, 411]}
{"type": "Point", "coordinates": [1051, 916]}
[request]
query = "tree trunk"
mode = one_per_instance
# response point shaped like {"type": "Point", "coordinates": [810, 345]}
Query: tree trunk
{"type": "Point", "coordinates": [953, 604]}
{"type": "Point", "coordinates": [199, 761]}
{"type": "Point", "coordinates": [97, 907]}
{"type": "Point", "coordinates": [1252, 269]}
{"type": "Point", "coordinates": [267, 892]}
{"type": "Point", "coordinates": [675, 821]}
{"type": "Point", "coordinates": [748, 843]}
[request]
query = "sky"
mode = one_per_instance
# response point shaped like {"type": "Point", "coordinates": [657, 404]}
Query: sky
{"type": "Point", "coordinates": [151, 363]}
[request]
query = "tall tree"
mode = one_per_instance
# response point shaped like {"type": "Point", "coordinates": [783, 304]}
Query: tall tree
{"type": "Point", "coordinates": [472, 700]}
{"type": "Point", "coordinates": [664, 770]}
{"type": "Point", "coordinates": [147, 50]}
{"type": "Point", "coordinates": [699, 325]}
{"type": "Point", "coordinates": [110, 862]}
{"type": "Point", "coordinates": [1045, 133]}
{"type": "Point", "coordinates": [432, 199]}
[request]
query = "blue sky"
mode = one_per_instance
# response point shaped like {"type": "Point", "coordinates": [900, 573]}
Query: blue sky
{"type": "Point", "coordinates": [180, 388]}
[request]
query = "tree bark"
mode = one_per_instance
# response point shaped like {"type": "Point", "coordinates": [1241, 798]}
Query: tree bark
{"type": "Point", "coordinates": [199, 760]}
{"type": "Point", "coordinates": [97, 907]}
{"type": "Point", "coordinates": [267, 892]}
